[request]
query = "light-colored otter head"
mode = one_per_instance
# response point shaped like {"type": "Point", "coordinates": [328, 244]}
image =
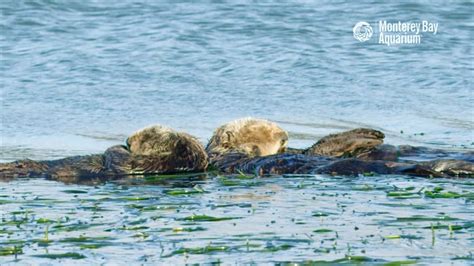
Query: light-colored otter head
{"type": "Point", "coordinates": [255, 137]}
{"type": "Point", "coordinates": [162, 149]}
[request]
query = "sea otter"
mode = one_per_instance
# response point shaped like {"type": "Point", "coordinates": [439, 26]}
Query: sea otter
{"type": "Point", "coordinates": [253, 146]}
{"type": "Point", "coordinates": [254, 137]}
{"type": "Point", "coordinates": [159, 149]}
{"type": "Point", "coordinates": [152, 150]}
{"type": "Point", "coordinates": [357, 151]}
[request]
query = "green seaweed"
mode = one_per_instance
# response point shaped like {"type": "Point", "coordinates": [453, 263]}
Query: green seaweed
{"type": "Point", "coordinates": [448, 227]}
{"type": "Point", "coordinates": [470, 256]}
{"type": "Point", "coordinates": [94, 245]}
{"type": "Point", "coordinates": [242, 175]}
{"type": "Point", "coordinates": [164, 177]}
{"type": "Point", "coordinates": [277, 248]}
{"type": "Point", "coordinates": [400, 194]}
{"type": "Point", "coordinates": [138, 198]}
{"type": "Point", "coordinates": [68, 255]}
{"type": "Point", "coordinates": [189, 229]}
{"type": "Point", "coordinates": [177, 192]}
{"type": "Point", "coordinates": [13, 250]}
{"type": "Point", "coordinates": [83, 239]}
{"type": "Point", "coordinates": [447, 195]}
{"type": "Point", "coordinates": [205, 218]}
{"type": "Point", "coordinates": [195, 251]}
{"type": "Point", "coordinates": [74, 227]}
{"type": "Point", "coordinates": [75, 191]}
{"type": "Point", "coordinates": [322, 214]}
{"type": "Point", "coordinates": [45, 221]}
{"type": "Point", "coordinates": [421, 218]}
{"type": "Point", "coordinates": [322, 231]}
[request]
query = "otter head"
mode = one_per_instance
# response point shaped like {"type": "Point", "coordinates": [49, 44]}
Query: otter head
{"type": "Point", "coordinates": [254, 137]}
{"type": "Point", "coordinates": [159, 149]}
{"type": "Point", "coordinates": [151, 140]}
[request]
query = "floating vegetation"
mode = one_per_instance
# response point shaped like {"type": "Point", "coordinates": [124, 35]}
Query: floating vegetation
{"type": "Point", "coordinates": [12, 250]}
{"type": "Point", "coordinates": [405, 193]}
{"type": "Point", "coordinates": [238, 181]}
{"type": "Point", "coordinates": [258, 220]}
{"type": "Point", "coordinates": [75, 191]}
{"type": "Point", "coordinates": [194, 251]}
{"type": "Point", "coordinates": [160, 178]}
{"type": "Point", "coordinates": [470, 256]}
{"type": "Point", "coordinates": [439, 193]}
{"type": "Point", "coordinates": [450, 227]}
{"type": "Point", "coordinates": [139, 198]}
{"type": "Point", "coordinates": [322, 214]}
{"type": "Point", "coordinates": [393, 237]}
{"type": "Point", "coordinates": [44, 221]}
{"type": "Point", "coordinates": [194, 190]}
{"type": "Point", "coordinates": [188, 229]}
{"type": "Point", "coordinates": [241, 175]}
{"type": "Point", "coordinates": [205, 218]}
{"type": "Point", "coordinates": [322, 231]}
{"type": "Point", "coordinates": [82, 239]}
{"type": "Point", "coordinates": [421, 218]}
{"type": "Point", "coordinates": [68, 255]}
{"type": "Point", "coordinates": [272, 248]}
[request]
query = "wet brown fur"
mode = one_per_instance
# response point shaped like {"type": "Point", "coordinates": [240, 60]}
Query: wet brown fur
{"type": "Point", "coordinates": [161, 149]}
{"type": "Point", "coordinates": [347, 144]}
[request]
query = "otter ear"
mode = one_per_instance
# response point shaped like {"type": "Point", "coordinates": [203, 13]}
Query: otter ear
{"type": "Point", "coordinates": [127, 144]}
{"type": "Point", "coordinates": [226, 143]}
{"type": "Point", "coordinates": [230, 135]}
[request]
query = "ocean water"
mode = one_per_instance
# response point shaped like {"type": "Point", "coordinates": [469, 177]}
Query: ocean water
{"type": "Point", "coordinates": [79, 76]}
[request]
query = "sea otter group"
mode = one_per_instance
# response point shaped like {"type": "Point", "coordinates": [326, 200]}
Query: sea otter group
{"type": "Point", "coordinates": [254, 146]}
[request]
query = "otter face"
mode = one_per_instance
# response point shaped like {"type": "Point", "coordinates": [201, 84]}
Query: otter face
{"type": "Point", "coordinates": [254, 137]}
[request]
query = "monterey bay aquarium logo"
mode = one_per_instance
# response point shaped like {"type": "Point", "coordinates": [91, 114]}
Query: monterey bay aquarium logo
{"type": "Point", "coordinates": [395, 33]}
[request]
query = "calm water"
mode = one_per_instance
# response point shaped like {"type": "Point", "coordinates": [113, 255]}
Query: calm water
{"type": "Point", "coordinates": [374, 219]}
{"type": "Point", "coordinates": [80, 76]}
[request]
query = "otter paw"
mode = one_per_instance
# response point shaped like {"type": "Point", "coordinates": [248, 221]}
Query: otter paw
{"type": "Point", "coordinates": [347, 144]}
{"type": "Point", "coordinates": [455, 168]}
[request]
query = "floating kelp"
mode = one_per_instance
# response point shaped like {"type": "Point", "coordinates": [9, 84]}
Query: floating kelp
{"type": "Point", "coordinates": [206, 218]}
{"type": "Point", "coordinates": [194, 251]}
{"type": "Point", "coordinates": [189, 229]}
{"type": "Point", "coordinates": [75, 191]}
{"type": "Point", "coordinates": [68, 255]}
{"type": "Point", "coordinates": [280, 218]}
{"type": "Point", "coordinates": [322, 231]}
{"type": "Point", "coordinates": [176, 192]}
{"type": "Point", "coordinates": [11, 250]}
{"type": "Point", "coordinates": [421, 218]}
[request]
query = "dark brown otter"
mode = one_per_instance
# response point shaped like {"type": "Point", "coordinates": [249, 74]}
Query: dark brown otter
{"type": "Point", "coordinates": [361, 151]}
{"type": "Point", "coordinates": [351, 143]}
{"type": "Point", "coordinates": [358, 151]}
{"type": "Point", "coordinates": [153, 150]}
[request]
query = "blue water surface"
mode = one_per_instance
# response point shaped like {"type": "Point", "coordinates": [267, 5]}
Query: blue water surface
{"type": "Point", "coordinates": [80, 76]}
